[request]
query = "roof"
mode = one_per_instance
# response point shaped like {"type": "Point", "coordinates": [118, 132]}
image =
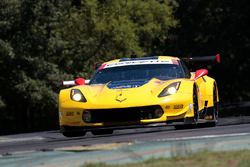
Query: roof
{"type": "Point", "coordinates": [143, 58]}
{"type": "Point", "coordinates": [140, 61]}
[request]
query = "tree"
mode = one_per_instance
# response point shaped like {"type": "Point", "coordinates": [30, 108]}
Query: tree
{"type": "Point", "coordinates": [102, 30]}
{"type": "Point", "coordinates": [45, 41]}
{"type": "Point", "coordinates": [208, 27]}
{"type": "Point", "coordinates": [28, 78]}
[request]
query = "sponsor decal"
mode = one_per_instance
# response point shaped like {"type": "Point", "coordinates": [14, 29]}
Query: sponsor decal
{"type": "Point", "coordinates": [137, 62]}
{"type": "Point", "coordinates": [69, 114]}
{"type": "Point", "coordinates": [102, 67]}
{"type": "Point", "coordinates": [175, 62]}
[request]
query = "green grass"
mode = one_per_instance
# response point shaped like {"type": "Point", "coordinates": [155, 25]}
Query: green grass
{"type": "Point", "coordinates": [201, 159]}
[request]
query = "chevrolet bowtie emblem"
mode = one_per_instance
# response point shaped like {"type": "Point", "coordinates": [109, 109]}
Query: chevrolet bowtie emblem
{"type": "Point", "coordinates": [120, 99]}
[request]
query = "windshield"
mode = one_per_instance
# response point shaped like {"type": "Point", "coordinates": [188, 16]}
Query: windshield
{"type": "Point", "coordinates": [138, 72]}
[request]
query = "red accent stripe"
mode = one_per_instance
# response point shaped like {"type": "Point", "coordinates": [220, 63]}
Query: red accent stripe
{"type": "Point", "coordinates": [102, 67]}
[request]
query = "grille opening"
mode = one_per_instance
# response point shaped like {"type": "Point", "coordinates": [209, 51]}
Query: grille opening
{"type": "Point", "coordinates": [124, 114]}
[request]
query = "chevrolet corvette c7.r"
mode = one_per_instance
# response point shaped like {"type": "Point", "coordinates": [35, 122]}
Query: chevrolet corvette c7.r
{"type": "Point", "coordinates": [138, 91]}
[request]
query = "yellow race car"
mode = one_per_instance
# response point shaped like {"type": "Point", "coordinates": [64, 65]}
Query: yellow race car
{"type": "Point", "coordinates": [138, 91]}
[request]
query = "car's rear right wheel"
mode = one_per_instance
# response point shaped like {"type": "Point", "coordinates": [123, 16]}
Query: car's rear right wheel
{"type": "Point", "coordinates": [215, 109]}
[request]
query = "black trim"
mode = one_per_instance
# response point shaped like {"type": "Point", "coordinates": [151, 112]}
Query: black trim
{"type": "Point", "coordinates": [206, 111]}
{"type": "Point", "coordinates": [140, 58]}
{"type": "Point", "coordinates": [121, 115]}
{"type": "Point", "coordinates": [113, 127]}
{"type": "Point", "coordinates": [201, 59]}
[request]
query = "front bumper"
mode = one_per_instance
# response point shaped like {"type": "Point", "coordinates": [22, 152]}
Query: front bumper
{"type": "Point", "coordinates": [173, 108]}
{"type": "Point", "coordinates": [66, 128]}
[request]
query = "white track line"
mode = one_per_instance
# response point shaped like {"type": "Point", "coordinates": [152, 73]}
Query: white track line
{"type": "Point", "coordinates": [9, 140]}
{"type": "Point", "coordinates": [205, 137]}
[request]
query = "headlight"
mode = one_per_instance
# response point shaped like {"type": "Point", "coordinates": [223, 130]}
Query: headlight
{"type": "Point", "coordinates": [77, 95]}
{"type": "Point", "coordinates": [170, 89]}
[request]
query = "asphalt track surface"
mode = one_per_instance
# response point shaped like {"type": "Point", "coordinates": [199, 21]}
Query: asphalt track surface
{"type": "Point", "coordinates": [50, 140]}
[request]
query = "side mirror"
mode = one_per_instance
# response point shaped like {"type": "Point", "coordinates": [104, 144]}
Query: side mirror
{"type": "Point", "coordinates": [77, 81]}
{"type": "Point", "coordinates": [200, 73]}
{"type": "Point", "coordinates": [80, 81]}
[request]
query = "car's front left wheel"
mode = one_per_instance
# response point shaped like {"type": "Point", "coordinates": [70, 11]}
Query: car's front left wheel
{"type": "Point", "coordinates": [191, 122]}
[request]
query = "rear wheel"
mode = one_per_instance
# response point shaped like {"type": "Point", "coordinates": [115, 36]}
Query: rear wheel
{"type": "Point", "coordinates": [215, 108]}
{"type": "Point", "coordinates": [195, 106]}
{"type": "Point", "coordinates": [216, 105]}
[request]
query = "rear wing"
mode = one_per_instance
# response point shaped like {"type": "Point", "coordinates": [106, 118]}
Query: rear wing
{"type": "Point", "coordinates": [214, 58]}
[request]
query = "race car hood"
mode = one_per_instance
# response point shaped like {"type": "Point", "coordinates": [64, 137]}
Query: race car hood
{"type": "Point", "coordinates": [118, 95]}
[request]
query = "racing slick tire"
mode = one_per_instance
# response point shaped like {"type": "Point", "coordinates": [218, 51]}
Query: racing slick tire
{"type": "Point", "coordinates": [195, 106]}
{"type": "Point", "coordinates": [215, 109]}
{"type": "Point", "coordinates": [191, 122]}
{"type": "Point", "coordinates": [72, 132]}
{"type": "Point", "coordinates": [102, 132]}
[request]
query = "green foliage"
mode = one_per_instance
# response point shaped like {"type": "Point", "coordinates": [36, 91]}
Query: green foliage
{"type": "Point", "coordinates": [29, 80]}
{"type": "Point", "coordinates": [102, 30]}
{"type": "Point", "coordinates": [210, 27]}
{"type": "Point", "coordinates": [199, 159]}
{"type": "Point", "coordinates": [45, 41]}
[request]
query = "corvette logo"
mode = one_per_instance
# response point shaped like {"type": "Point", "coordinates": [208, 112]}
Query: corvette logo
{"type": "Point", "coordinates": [120, 98]}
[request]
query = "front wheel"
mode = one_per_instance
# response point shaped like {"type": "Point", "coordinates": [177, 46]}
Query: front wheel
{"type": "Point", "coordinates": [102, 132]}
{"type": "Point", "coordinates": [68, 131]}
{"type": "Point", "coordinates": [74, 134]}
{"type": "Point", "coordinates": [195, 105]}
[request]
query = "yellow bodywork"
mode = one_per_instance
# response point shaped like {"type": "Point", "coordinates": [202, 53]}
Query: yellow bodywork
{"type": "Point", "coordinates": [99, 96]}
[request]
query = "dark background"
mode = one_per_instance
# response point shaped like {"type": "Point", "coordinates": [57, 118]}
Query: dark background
{"type": "Point", "coordinates": [45, 41]}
